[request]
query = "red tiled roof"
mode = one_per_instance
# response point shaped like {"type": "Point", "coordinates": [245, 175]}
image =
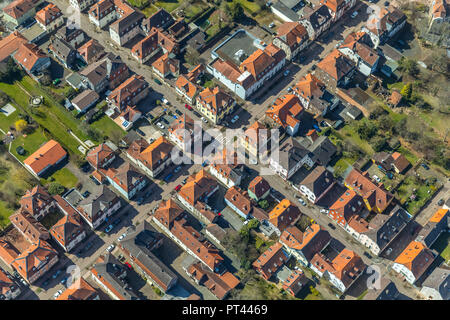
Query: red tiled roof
{"type": "Point", "coordinates": [47, 155]}
{"type": "Point", "coordinates": [28, 54]}
{"type": "Point", "coordinates": [286, 111]}
{"type": "Point", "coordinates": [11, 44]}
{"type": "Point", "coordinates": [48, 14]}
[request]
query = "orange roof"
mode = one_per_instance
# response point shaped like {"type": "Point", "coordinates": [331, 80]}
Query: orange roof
{"type": "Point", "coordinates": [395, 97]}
{"type": "Point", "coordinates": [166, 64]}
{"type": "Point", "coordinates": [18, 8]}
{"type": "Point", "coordinates": [197, 186]}
{"type": "Point", "coordinates": [35, 200]}
{"type": "Point", "coordinates": [167, 212]}
{"type": "Point", "coordinates": [47, 155]}
{"type": "Point", "coordinates": [293, 33]}
{"type": "Point", "coordinates": [284, 214]}
{"type": "Point", "coordinates": [128, 90]}
{"type": "Point", "coordinates": [91, 51]}
{"type": "Point", "coordinates": [256, 63]}
{"type": "Point", "coordinates": [11, 44]}
{"type": "Point", "coordinates": [333, 5]}
{"type": "Point", "coordinates": [270, 260]}
{"type": "Point", "coordinates": [309, 86]}
{"type": "Point", "coordinates": [295, 239]}
{"type": "Point", "coordinates": [28, 54]}
{"type": "Point", "coordinates": [79, 291]}
{"type": "Point", "coordinates": [336, 64]}
{"type": "Point", "coordinates": [259, 186]}
{"type": "Point", "coordinates": [97, 155]}
{"type": "Point", "coordinates": [286, 111]}
{"type": "Point", "coordinates": [410, 253]}
{"type": "Point", "coordinates": [437, 217]}
{"type": "Point", "coordinates": [186, 86]}
{"type": "Point", "coordinates": [239, 199]}
{"type": "Point", "coordinates": [48, 14]}
{"type": "Point", "coordinates": [215, 100]}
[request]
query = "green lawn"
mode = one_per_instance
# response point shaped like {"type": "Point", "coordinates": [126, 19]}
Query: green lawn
{"type": "Point", "coordinates": [169, 6]}
{"type": "Point", "coordinates": [194, 10]}
{"type": "Point", "coordinates": [7, 121]}
{"type": "Point", "coordinates": [4, 215]}
{"type": "Point", "coordinates": [405, 190]}
{"type": "Point", "coordinates": [249, 6]}
{"type": "Point", "coordinates": [349, 131]}
{"type": "Point", "coordinates": [30, 143]}
{"type": "Point", "coordinates": [63, 176]}
{"type": "Point", "coordinates": [442, 245]}
{"type": "Point", "coordinates": [106, 125]}
{"type": "Point", "coordinates": [138, 3]}
{"type": "Point", "coordinates": [312, 297]}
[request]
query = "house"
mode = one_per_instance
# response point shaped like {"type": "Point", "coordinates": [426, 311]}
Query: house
{"type": "Point", "coordinates": [85, 100]}
{"type": "Point", "coordinates": [356, 48]}
{"type": "Point", "coordinates": [161, 19]}
{"type": "Point", "coordinates": [91, 51]}
{"type": "Point", "coordinates": [102, 13]}
{"type": "Point", "coordinates": [337, 8]}
{"type": "Point", "coordinates": [68, 231]}
{"type": "Point", "coordinates": [185, 134]}
{"type": "Point", "coordinates": [245, 69]}
{"type": "Point", "coordinates": [254, 139]}
{"type": "Point", "coordinates": [436, 285]}
{"type": "Point", "coordinates": [48, 155]}
{"type": "Point", "coordinates": [126, 118]}
{"type": "Point", "coordinates": [335, 70]}
{"type": "Point", "coordinates": [166, 65]}
{"type": "Point", "coordinates": [8, 289]}
{"type": "Point", "coordinates": [292, 38]}
{"type": "Point", "coordinates": [10, 44]}
{"type": "Point", "coordinates": [384, 23]}
{"type": "Point", "coordinates": [413, 261]}
{"type": "Point", "coordinates": [258, 188]}
{"type": "Point", "coordinates": [127, 26]}
{"type": "Point", "coordinates": [35, 261]}
{"type": "Point", "coordinates": [196, 73]}
{"type": "Point", "coordinates": [227, 167]}
{"type": "Point", "coordinates": [386, 291]}
{"type": "Point", "coordinates": [314, 95]}
{"type": "Point", "coordinates": [376, 198]}
{"type": "Point", "coordinates": [387, 162]}
{"type": "Point", "coordinates": [71, 34]}
{"type": "Point", "coordinates": [129, 93]}
{"type": "Point", "coordinates": [321, 148]}
{"type": "Point", "coordinates": [19, 11]}
{"type": "Point", "coordinates": [80, 290]}
{"type": "Point", "coordinates": [270, 261]}
{"type": "Point", "coordinates": [172, 220]}
{"type": "Point", "coordinates": [63, 51]}
{"type": "Point", "coordinates": [138, 245]}
{"type": "Point", "coordinates": [288, 10]}
{"type": "Point", "coordinates": [284, 215]}
{"type": "Point", "coordinates": [81, 5]}
{"type": "Point", "coordinates": [438, 223]}
{"type": "Point", "coordinates": [156, 41]}
{"type": "Point", "coordinates": [356, 98]}
{"type": "Point", "coordinates": [215, 104]}
{"type": "Point", "coordinates": [198, 187]}
{"type": "Point", "coordinates": [32, 59]}
{"type": "Point", "coordinates": [219, 285]}
{"type": "Point", "coordinates": [216, 233]}
{"type": "Point", "coordinates": [186, 89]}
{"type": "Point", "coordinates": [304, 245]}
{"type": "Point", "coordinates": [438, 16]}
{"type": "Point", "coordinates": [286, 112]}
{"type": "Point", "coordinates": [349, 205]}
{"type": "Point", "coordinates": [153, 158]}
{"type": "Point", "coordinates": [101, 204]}
{"type": "Point", "coordinates": [292, 281]}
{"type": "Point", "coordinates": [317, 22]}
{"type": "Point", "coordinates": [50, 18]}
{"type": "Point", "coordinates": [316, 184]}
{"type": "Point", "coordinates": [28, 226]}
{"type": "Point", "coordinates": [204, 213]}
{"type": "Point", "coordinates": [383, 230]}
{"type": "Point", "coordinates": [111, 275]}
{"type": "Point", "coordinates": [289, 157]}
{"type": "Point", "coordinates": [395, 99]}
{"type": "Point", "coordinates": [101, 156]}
{"type": "Point", "coordinates": [37, 201]}
{"type": "Point", "coordinates": [107, 73]}
{"type": "Point", "coordinates": [239, 201]}
{"type": "Point", "coordinates": [126, 179]}
{"type": "Point", "coordinates": [342, 270]}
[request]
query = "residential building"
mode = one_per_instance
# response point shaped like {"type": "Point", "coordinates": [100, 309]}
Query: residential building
{"type": "Point", "coordinates": [37, 201]}
{"type": "Point", "coordinates": [216, 233]}
{"type": "Point", "coordinates": [314, 95]}
{"type": "Point", "coordinates": [245, 69]}
{"type": "Point", "coordinates": [413, 261]}
{"type": "Point", "coordinates": [68, 231]}
{"type": "Point", "coordinates": [126, 179]}
{"type": "Point", "coordinates": [437, 224]}
{"type": "Point", "coordinates": [19, 11]}
{"type": "Point", "coordinates": [10, 44]}
{"type": "Point", "coordinates": [342, 270]}
{"type": "Point", "coordinates": [321, 148]}
{"type": "Point", "coordinates": [337, 8]}
{"type": "Point", "coordinates": [102, 13]}
{"type": "Point", "coordinates": [304, 245]}
{"type": "Point", "coordinates": [384, 23]}
{"type": "Point", "coordinates": [289, 157]}
{"type": "Point", "coordinates": [138, 245]}
{"type": "Point", "coordinates": [48, 155]}
{"type": "Point", "coordinates": [387, 162]}
{"type": "Point", "coordinates": [254, 139]}
{"type": "Point", "coordinates": [161, 19]}
{"type": "Point", "coordinates": [101, 156]}
{"type": "Point", "coordinates": [127, 26]}
{"type": "Point", "coordinates": [63, 51]}
{"type": "Point", "coordinates": [185, 134]}
{"type": "Point", "coordinates": [156, 41]}
{"type": "Point", "coordinates": [286, 112]}
{"type": "Point", "coordinates": [316, 184]}
{"type": "Point", "coordinates": [292, 281]}
{"type": "Point", "coordinates": [437, 285]}
{"type": "Point", "coordinates": [28, 226]}
{"type": "Point", "coordinates": [8, 289]}
{"type": "Point", "coordinates": [349, 205]}
{"type": "Point", "coordinates": [204, 213]}
{"type": "Point", "coordinates": [71, 34]}
{"type": "Point", "coordinates": [292, 38]}
{"type": "Point", "coordinates": [35, 261]}
{"type": "Point", "coordinates": [270, 261]}
{"type": "Point", "coordinates": [186, 89]}
{"type": "Point", "coordinates": [85, 100]}
{"type": "Point", "coordinates": [375, 196]}
{"type": "Point", "coordinates": [129, 93]}
{"type": "Point", "coordinates": [198, 187]}
{"type": "Point", "coordinates": [317, 22]}
{"type": "Point", "coordinates": [111, 275]}
{"type": "Point", "coordinates": [100, 205]}
{"type": "Point", "coordinates": [438, 16]}
{"type": "Point", "coordinates": [81, 5]}
{"type": "Point", "coordinates": [50, 18]}
{"type": "Point", "coordinates": [32, 59]}
{"type": "Point", "coordinates": [287, 10]}
{"type": "Point", "coordinates": [335, 70]}
{"type": "Point", "coordinates": [258, 188]}
{"type": "Point", "coordinates": [91, 51]}
{"type": "Point", "coordinates": [284, 215]}
{"type": "Point", "coordinates": [166, 66]}
{"type": "Point", "coordinates": [80, 290]}
{"type": "Point", "coordinates": [239, 201]}
{"type": "Point", "coordinates": [153, 158]}
{"type": "Point", "coordinates": [215, 104]}
{"type": "Point", "coordinates": [227, 168]}
{"type": "Point", "coordinates": [386, 291]}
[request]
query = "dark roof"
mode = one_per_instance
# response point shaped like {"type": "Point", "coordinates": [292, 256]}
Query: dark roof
{"type": "Point", "coordinates": [291, 152]}
{"type": "Point", "coordinates": [319, 17]}
{"type": "Point", "coordinates": [439, 280]}
{"type": "Point", "coordinates": [122, 26]}
{"type": "Point", "coordinates": [160, 19]}
{"type": "Point", "coordinates": [62, 48]}
{"type": "Point", "coordinates": [386, 291]}
{"type": "Point", "coordinates": [85, 99]}
{"type": "Point", "coordinates": [97, 202]}
{"type": "Point", "coordinates": [318, 180]}
{"type": "Point", "coordinates": [323, 150]}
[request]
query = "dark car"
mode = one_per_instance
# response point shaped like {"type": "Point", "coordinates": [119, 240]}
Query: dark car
{"type": "Point", "coordinates": [142, 133]}
{"type": "Point", "coordinates": [178, 112]}
{"type": "Point", "coordinates": [440, 202]}
{"type": "Point", "coordinates": [94, 180]}
{"type": "Point", "coordinates": [367, 255]}
{"type": "Point", "coordinates": [86, 168]}
{"type": "Point", "coordinates": [109, 228]}
{"type": "Point", "coordinates": [45, 283]}
{"type": "Point", "coordinates": [157, 81]}
{"type": "Point", "coordinates": [20, 150]}
{"type": "Point", "coordinates": [331, 226]}
{"type": "Point", "coordinates": [140, 200]}
{"type": "Point", "coordinates": [86, 194]}
{"type": "Point", "coordinates": [167, 178]}
{"type": "Point", "coordinates": [424, 165]}
{"type": "Point", "coordinates": [116, 222]}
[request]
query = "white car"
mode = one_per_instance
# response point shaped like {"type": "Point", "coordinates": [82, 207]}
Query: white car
{"type": "Point", "coordinates": [57, 294]}
{"type": "Point", "coordinates": [235, 118]}
{"type": "Point", "coordinates": [204, 119]}
{"type": "Point", "coordinates": [122, 236]}
{"type": "Point", "coordinates": [354, 14]}
{"type": "Point", "coordinates": [160, 125]}
{"type": "Point", "coordinates": [165, 101]}
{"type": "Point", "coordinates": [324, 211]}
{"type": "Point", "coordinates": [110, 248]}
{"type": "Point", "coordinates": [302, 201]}
{"type": "Point", "coordinates": [375, 177]}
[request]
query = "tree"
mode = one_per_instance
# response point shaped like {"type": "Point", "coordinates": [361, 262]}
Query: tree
{"type": "Point", "coordinates": [236, 10]}
{"type": "Point", "coordinates": [409, 66]}
{"type": "Point", "coordinates": [264, 204]}
{"type": "Point", "coordinates": [21, 125]}
{"type": "Point", "coordinates": [367, 130]}
{"type": "Point", "coordinates": [378, 143]}
{"type": "Point", "coordinates": [406, 91]}
{"type": "Point", "coordinates": [55, 188]}
{"type": "Point", "coordinates": [192, 57]}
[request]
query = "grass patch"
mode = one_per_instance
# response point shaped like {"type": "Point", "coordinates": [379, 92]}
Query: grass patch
{"type": "Point", "coordinates": [5, 212]}
{"type": "Point", "coordinates": [148, 11]}
{"type": "Point", "coordinates": [350, 131]}
{"type": "Point", "coordinates": [138, 3]}
{"type": "Point", "coordinates": [30, 143]}
{"type": "Point", "coordinates": [7, 121]}
{"type": "Point", "coordinates": [106, 126]}
{"type": "Point", "coordinates": [194, 10]}
{"type": "Point", "coordinates": [51, 219]}
{"type": "Point", "coordinates": [442, 245]}
{"type": "Point", "coordinates": [313, 297]}
{"type": "Point", "coordinates": [249, 6]}
{"type": "Point", "coordinates": [169, 6]}
{"type": "Point", "coordinates": [411, 186]}
{"type": "Point", "coordinates": [63, 176]}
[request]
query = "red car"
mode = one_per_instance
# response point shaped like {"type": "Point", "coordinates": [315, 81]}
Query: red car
{"type": "Point", "coordinates": [178, 187]}
{"type": "Point", "coordinates": [128, 266]}
{"type": "Point", "coordinates": [188, 106]}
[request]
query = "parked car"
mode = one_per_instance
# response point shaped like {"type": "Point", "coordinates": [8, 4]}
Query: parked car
{"type": "Point", "coordinates": [147, 194]}
{"type": "Point", "coordinates": [109, 228]}
{"type": "Point", "coordinates": [123, 235]}
{"type": "Point", "coordinates": [64, 280]}
{"type": "Point", "coordinates": [177, 169]}
{"type": "Point", "coordinates": [110, 248]}
{"type": "Point", "coordinates": [184, 181]}
{"type": "Point", "coordinates": [286, 73]}
{"type": "Point", "coordinates": [116, 222]}
{"type": "Point", "coordinates": [367, 255]}
{"type": "Point", "coordinates": [167, 178]}
{"type": "Point", "coordinates": [86, 194]}
{"type": "Point", "coordinates": [178, 187]}
{"type": "Point", "coordinates": [302, 201]}
{"type": "Point", "coordinates": [324, 211]}
{"type": "Point", "coordinates": [160, 125]}
{"type": "Point", "coordinates": [165, 101]}
{"type": "Point", "coordinates": [331, 226]}
{"type": "Point", "coordinates": [188, 106]}
{"type": "Point", "coordinates": [178, 112]}
{"type": "Point", "coordinates": [235, 118]}
{"type": "Point", "coordinates": [424, 165]}
{"type": "Point", "coordinates": [196, 114]}
{"type": "Point", "coordinates": [354, 14]}
{"type": "Point", "coordinates": [45, 283]}
{"type": "Point", "coordinates": [440, 202]}
{"type": "Point", "coordinates": [157, 81]}
{"type": "Point", "coordinates": [24, 282]}
{"type": "Point", "coordinates": [376, 178]}
{"type": "Point", "coordinates": [204, 119]}
{"type": "Point", "coordinates": [271, 25]}
{"type": "Point", "coordinates": [94, 180]}
{"type": "Point", "coordinates": [56, 274]}
{"type": "Point", "coordinates": [139, 201]}
{"type": "Point", "coordinates": [57, 294]}
{"type": "Point", "coordinates": [128, 266]}
{"type": "Point", "coordinates": [142, 133]}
